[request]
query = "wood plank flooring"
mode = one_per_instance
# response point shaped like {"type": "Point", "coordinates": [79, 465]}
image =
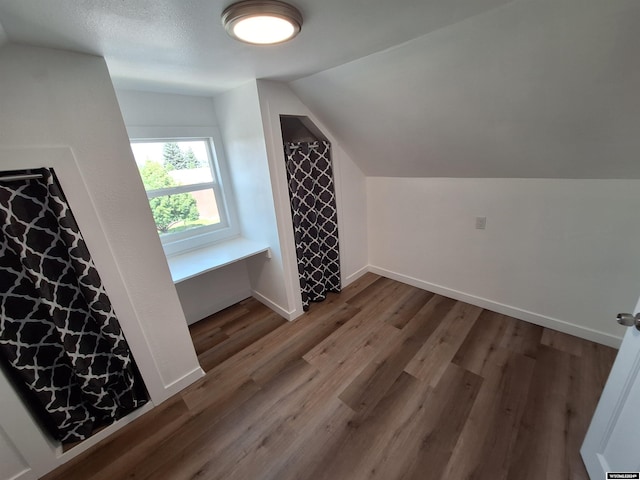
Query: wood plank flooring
{"type": "Point", "coordinates": [383, 381]}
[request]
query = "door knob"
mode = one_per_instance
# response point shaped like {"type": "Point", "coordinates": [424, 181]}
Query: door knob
{"type": "Point", "coordinates": [629, 320]}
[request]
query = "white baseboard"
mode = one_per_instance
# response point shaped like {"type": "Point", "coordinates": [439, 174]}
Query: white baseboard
{"type": "Point", "coordinates": [527, 316]}
{"type": "Point", "coordinates": [63, 457]}
{"type": "Point", "coordinates": [289, 315]}
{"type": "Point", "coordinates": [27, 474]}
{"type": "Point", "coordinates": [355, 276]}
{"type": "Point", "coordinates": [183, 382]}
{"type": "Point", "coordinates": [293, 314]}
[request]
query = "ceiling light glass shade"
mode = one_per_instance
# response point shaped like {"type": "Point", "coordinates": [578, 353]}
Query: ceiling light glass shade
{"type": "Point", "coordinates": [262, 22]}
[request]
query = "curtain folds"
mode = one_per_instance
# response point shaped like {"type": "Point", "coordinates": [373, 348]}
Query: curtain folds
{"type": "Point", "coordinates": [59, 337]}
{"type": "Point", "coordinates": [315, 219]}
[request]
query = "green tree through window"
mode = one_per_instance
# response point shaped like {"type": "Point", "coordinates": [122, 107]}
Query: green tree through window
{"type": "Point", "coordinates": [168, 210]}
{"type": "Point", "coordinates": [190, 160]}
{"type": "Point", "coordinates": [185, 192]}
{"type": "Point", "coordinates": [176, 159]}
{"type": "Point", "coordinates": [172, 156]}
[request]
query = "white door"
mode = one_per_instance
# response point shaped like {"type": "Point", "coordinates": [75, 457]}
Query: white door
{"type": "Point", "coordinates": [613, 439]}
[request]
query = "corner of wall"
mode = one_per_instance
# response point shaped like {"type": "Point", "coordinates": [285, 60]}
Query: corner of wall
{"type": "Point", "coordinates": [277, 99]}
{"type": "Point", "coordinates": [242, 126]}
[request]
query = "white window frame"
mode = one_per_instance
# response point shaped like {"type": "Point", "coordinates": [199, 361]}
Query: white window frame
{"type": "Point", "coordinates": [228, 228]}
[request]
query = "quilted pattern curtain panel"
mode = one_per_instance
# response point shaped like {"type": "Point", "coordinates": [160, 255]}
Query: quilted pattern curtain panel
{"type": "Point", "coordinates": [60, 340]}
{"type": "Point", "coordinates": [315, 218]}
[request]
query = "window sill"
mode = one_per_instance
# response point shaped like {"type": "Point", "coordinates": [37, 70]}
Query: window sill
{"type": "Point", "coordinates": [196, 262]}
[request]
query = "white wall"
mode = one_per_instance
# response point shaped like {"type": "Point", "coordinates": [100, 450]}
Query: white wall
{"type": "Point", "coordinates": [205, 294]}
{"type": "Point", "coordinates": [60, 108]}
{"type": "Point", "coordinates": [560, 253]}
{"type": "Point", "coordinates": [278, 99]}
{"type": "Point", "coordinates": [240, 123]}
{"type": "Point", "coordinates": [213, 291]}
{"type": "Point", "coordinates": [150, 109]}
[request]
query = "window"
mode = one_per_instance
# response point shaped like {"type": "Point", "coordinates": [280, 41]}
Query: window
{"type": "Point", "coordinates": [184, 183]}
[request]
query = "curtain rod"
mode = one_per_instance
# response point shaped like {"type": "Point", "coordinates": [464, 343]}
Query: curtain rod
{"type": "Point", "coordinates": [26, 176]}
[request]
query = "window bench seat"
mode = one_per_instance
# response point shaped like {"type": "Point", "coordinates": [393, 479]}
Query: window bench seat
{"type": "Point", "coordinates": [196, 262]}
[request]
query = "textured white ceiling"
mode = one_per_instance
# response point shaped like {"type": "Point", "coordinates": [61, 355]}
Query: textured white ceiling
{"type": "Point", "coordinates": [180, 46]}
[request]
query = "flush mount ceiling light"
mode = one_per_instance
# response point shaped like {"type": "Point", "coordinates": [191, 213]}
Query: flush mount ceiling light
{"type": "Point", "coordinates": [265, 22]}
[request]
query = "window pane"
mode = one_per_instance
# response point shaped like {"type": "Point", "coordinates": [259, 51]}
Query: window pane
{"type": "Point", "coordinates": [184, 211]}
{"type": "Point", "coordinates": [183, 162]}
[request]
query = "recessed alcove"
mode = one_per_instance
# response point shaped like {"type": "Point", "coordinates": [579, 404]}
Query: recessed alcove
{"type": "Point", "coordinates": [300, 129]}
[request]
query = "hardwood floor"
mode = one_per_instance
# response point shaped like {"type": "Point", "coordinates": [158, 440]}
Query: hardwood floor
{"type": "Point", "coordinates": [383, 381]}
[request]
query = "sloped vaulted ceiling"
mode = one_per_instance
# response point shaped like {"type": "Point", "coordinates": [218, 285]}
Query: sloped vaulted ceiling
{"type": "Point", "coordinates": [534, 89]}
{"type": "Point", "coordinates": [479, 88]}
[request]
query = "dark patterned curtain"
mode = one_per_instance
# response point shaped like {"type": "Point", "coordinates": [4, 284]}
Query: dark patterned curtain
{"type": "Point", "coordinates": [60, 340]}
{"type": "Point", "coordinates": [315, 219]}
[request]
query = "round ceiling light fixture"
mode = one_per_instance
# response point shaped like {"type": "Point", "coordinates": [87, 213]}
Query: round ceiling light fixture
{"type": "Point", "coordinates": [262, 22]}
